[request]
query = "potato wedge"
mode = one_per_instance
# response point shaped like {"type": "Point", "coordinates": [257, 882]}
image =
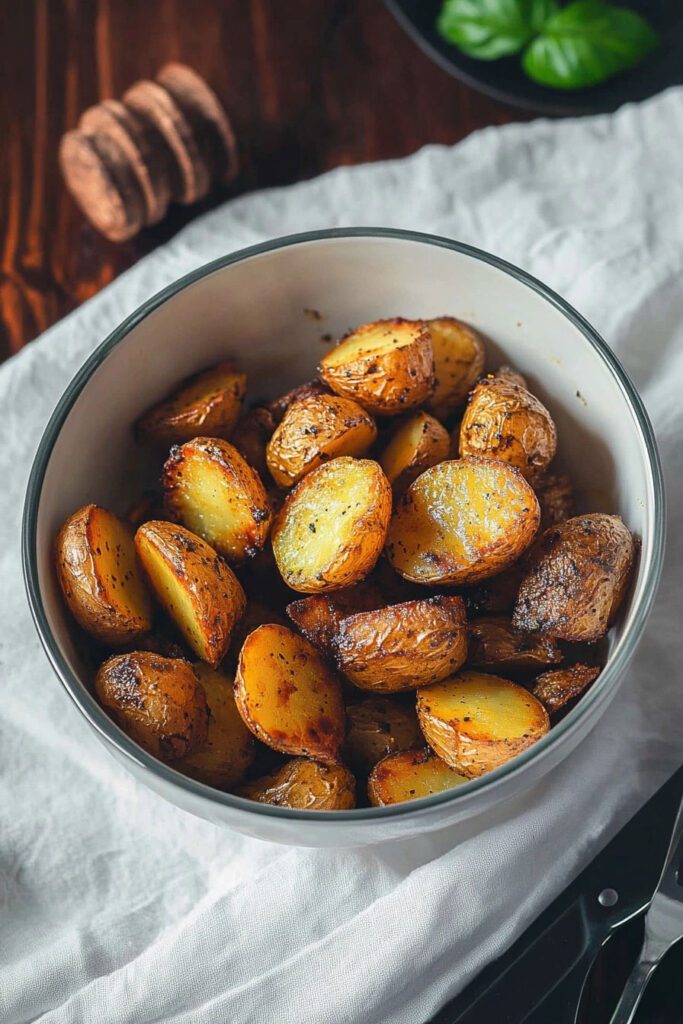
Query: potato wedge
{"type": "Point", "coordinates": [227, 753]}
{"type": "Point", "coordinates": [403, 646]}
{"type": "Point", "coordinates": [279, 406]}
{"type": "Point", "coordinates": [288, 696]}
{"type": "Point", "coordinates": [100, 577]}
{"type": "Point", "coordinates": [195, 587]}
{"type": "Point", "coordinates": [410, 775]}
{"type": "Point", "coordinates": [250, 437]}
{"type": "Point", "coordinates": [505, 421]}
{"type": "Point", "coordinates": [319, 615]}
{"type": "Point", "coordinates": [158, 702]}
{"type": "Point", "coordinates": [213, 491]}
{"type": "Point", "coordinates": [462, 521]}
{"type": "Point", "coordinates": [386, 366]}
{"type": "Point", "coordinates": [377, 727]}
{"type": "Point", "coordinates": [208, 403]}
{"type": "Point", "coordinates": [315, 430]}
{"type": "Point", "coordinates": [458, 361]}
{"type": "Point", "coordinates": [476, 722]}
{"type": "Point", "coordinates": [576, 578]}
{"type": "Point", "coordinates": [555, 493]}
{"type": "Point", "coordinates": [494, 645]}
{"type": "Point", "coordinates": [420, 442]}
{"type": "Point", "coordinates": [305, 785]}
{"type": "Point", "coordinates": [331, 529]}
{"type": "Point", "coordinates": [557, 687]}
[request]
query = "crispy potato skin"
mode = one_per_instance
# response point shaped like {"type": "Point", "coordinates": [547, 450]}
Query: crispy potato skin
{"type": "Point", "coordinates": [420, 442]}
{"type": "Point", "coordinates": [288, 696]}
{"type": "Point", "coordinates": [250, 437]}
{"type": "Point", "coordinates": [462, 521]}
{"type": "Point", "coordinates": [458, 362]}
{"type": "Point", "coordinates": [208, 403]}
{"type": "Point", "coordinates": [403, 646]}
{"type": "Point", "coordinates": [495, 595]}
{"type": "Point", "coordinates": [279, 406]}
{"type": "Point", "coordinates": [376, 727]}
{"type": "Point", "coordinates": [557, 687]}
{"type": "Point", "coordinates": [495, 645]}
{"type": "Point", "coordinates": [314, 430]}
{"type": "Point", "coordinates": [305, 785]}
{"type": "Point", "coordinates": [505, 421]}
{"type": "Point", "coordinates": [319, 615]}
{"type": "Point", "coordinates": [555, 493]}
{"type": "Point", "coordinates": [195, 587]}
{"type": "Point", "coordinates": [157, 701]}
{"type": "Point", "coordinates": [100, 578]}
{"type": "Point", "coordinates": [409, 775]}
{"type": "Point", "coordinates": [475, 722]}
{"type": "Point", "coordinates": [385, 378]}
{"type": "Point", "coordinates": [576, 578]}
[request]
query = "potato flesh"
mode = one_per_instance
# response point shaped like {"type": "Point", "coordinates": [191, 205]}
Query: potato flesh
{"type": "Point", "coordinates": [305, 785]}
{"type": "Point", "coordinates": [410, 775]}
{"type": "Point", "coordinates": [458, 361]}
{"type": "Point", "coordinates": [377, 727]}
{"type": "Point", "coordinates": [419, 443]}
{"type": "Point", "coordinates": [209, 404]}
{"type": "Point", "coordinates": [374, 340]}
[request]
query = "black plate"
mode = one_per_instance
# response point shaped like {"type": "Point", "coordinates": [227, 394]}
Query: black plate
{"type": "Point", "coordinates": [504, 79]}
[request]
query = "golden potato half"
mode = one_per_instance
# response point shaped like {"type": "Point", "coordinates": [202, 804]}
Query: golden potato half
{"type": "Point", "coordinates": [250, 437]}
{"type": "Point", "coordinates": [576, 579]}
{"type": "Point", "coordinates": [158, 702]}
{"type": "Point", "coordinates": [208, 404]}
{"type": "Point", "coordinates": [377, 727]}
{"type": "Point", "coordinates": [314, 430]}
{"type": "Point", "coordinates": [409, 775]}
{"type": "Point", "coordinates": [100, 577]}
{"type": "Point", "coordinates": [213, 491]}
{"type": "Point", "coordinates": [557, 687]}
{"type": "Point", "coordinates": [458, 362]}
{"type": "Point", "coordinates": [403, 646]}
{"type": "Point", "coordinates": [387, 366]}
{"type": "Point", "coordinates": [196, 588]}
{"type": "Point", "coordinates": [289, 696]}
{"type": "Point", "coordinates": [331, 529]}
{"type": "Point", "coordinates": [420, 442]}
{"type": "Point", "coordinates": [494, 644]}
{"type": "Point", "coordinates": [462, 521]}
{"type": "Point", "coordinates": [319, 615]}
{"type": "Point", "coordinates": [476, 722]}
{"type": "Point", "coordinates": [305, 785]}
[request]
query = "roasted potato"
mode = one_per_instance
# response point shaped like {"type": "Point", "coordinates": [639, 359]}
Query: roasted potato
{"type": "Point", "coordinates": [576, 578]}
{"type": "Point", "coordinates": [420, 442]}
{"type": "Point", "coordinates": [458, 362]}
{"type": "Point", "coordinates": [409, 775]}
{"type": "Point", "coordinates": [513, 376]}
{"type": "Point", "coordinates": [279, 406]}
{"type": "Point", "coordinates": [386, 366]}
{"type": "Point", "coordinates": [158, 701]}
{"type": "Point", "coordinates": [305, 785]}
{"type": "Point", "coordinates": [289, 696]}
{"type": "Point", "coordinates": [555, 493]}
{"type": "Point", "coordinates": [377, 727]}
{"type": "Point", "coordinates": [557, 687]}
{"type": "Point", "coordinates": [319, 615]}
{"type": "Point", "coordinates": [494, 645]}
{"type": "Point", "coordinates": [257, 614]}
{"type": "Point", "coordinates": [195, 587]}
{"type": "Point", "coordinates": [100, 577]}
{"type": "Point", "coordinates": [226, 754]}
{"type": "Point", "coordinates": [208, 404]}
{"type": "Point", "coordinates": [250, 437]}
{"type": "Point", "coordinates": [213, 491]}
{"type": "Point", "coordinates": [476, 722]}
{"type": "Point", "coordinates": [495, 595]}
{"type": "Point", "coordinates": [331, 529]}
{"type": "Point", "coordinates": [462, 521]}
{"type": "Point", "coordinates": [505, 421]}
{"type": "Point", "coordinates": [315, 430]}
{"type": "Point", "coordinates": [403, 646]}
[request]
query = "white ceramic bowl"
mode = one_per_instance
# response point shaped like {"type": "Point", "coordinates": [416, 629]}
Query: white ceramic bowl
{"type": "Point", "coordinates": [256, 305]}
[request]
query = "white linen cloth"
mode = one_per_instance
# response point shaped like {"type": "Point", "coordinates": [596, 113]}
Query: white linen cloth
{"type": "Point", "coordinates": [117, 907]}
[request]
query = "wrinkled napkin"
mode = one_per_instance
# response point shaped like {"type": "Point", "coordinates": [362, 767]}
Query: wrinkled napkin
{"type": "Point", "coordinates": [117, 907]}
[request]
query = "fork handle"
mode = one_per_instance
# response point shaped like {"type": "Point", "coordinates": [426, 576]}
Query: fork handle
{"type": "Point", "coordinates": [635, 986]}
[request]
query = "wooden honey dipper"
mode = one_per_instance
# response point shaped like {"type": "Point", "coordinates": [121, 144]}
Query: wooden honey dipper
{"type": "Point", "coordinates": [167, 140]}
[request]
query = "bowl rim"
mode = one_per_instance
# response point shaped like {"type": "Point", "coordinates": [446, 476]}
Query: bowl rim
{"type": "Point", "coordinates": [112, 734]}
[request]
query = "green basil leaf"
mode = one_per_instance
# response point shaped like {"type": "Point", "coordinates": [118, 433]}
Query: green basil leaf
{"type": "Point", "coordinates": [489, 29]}
{"type": "Point", "coordinates": [587, 42]}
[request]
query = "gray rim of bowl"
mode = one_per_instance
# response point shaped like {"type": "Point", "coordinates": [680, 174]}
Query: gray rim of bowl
{"type": "Point", "coordinates": [107, 729]}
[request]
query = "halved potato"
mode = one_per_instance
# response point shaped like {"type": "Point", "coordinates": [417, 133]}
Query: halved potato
{"type": "Point", "coordinates": [420, 442]}
{"type": "Point", "coordinates": [289, 696]}
{"type": "Point", "coordinates": [409, 775]}
{"type": "Point", "coordinates": [476, 722]}
{"type": "Point", "coordinates": [208, 404]}
{"type": "Point", "coordinates": [100, 577]}
{"type": "Point", "coordinates": [462, 521]}
{"type": "Point", "coordinates": [505, 421]}
{"type": "Point", "coordinates": [387, 366]}
{"type": "Point", "coordinates": [377, 727]}
{"type": "Point", "coordinates": [194, 586]}
{"type": "Point", "coordinates": [158, 701]}
{"type": "Point", "coordinates": [331, 529]}
{"type": "Point", "coordinates": [223, 759]}
{"type": "Point", "coordinates": [250, 437]}
{"type": "Point", "coordinates": [494, 644]}
{"type": "Point", "coordinates": [458, 361]}
{"type": "Point", "coordinates": [315, 430]}
{"type": "Point", "coordinates": [305, 785]}
{"type": "Point", "coordinates": [556, 688]}
{"type": "Point", "coordinates": [555, 493]}
{"type": "Point", "coordinates": [213, 491]}
{"type": "Point", "coordinates": [403, 646]}
{"type": "Point", "coordinates": [319, 615]}
{"type": "Point", "coordinates": [576, 578]}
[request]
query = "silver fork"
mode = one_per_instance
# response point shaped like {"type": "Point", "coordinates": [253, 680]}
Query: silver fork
{"type": "Point", "coordinates": [663, 927]}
